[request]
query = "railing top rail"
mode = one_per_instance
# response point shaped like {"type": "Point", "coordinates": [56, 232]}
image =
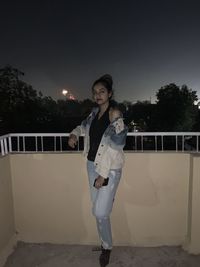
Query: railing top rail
{"type": "Point", "coordinates": [4, 136]}
{"type": "Point", "coordinates": [38, 134]}
{"type": "Point", "coordinates": [129, 134]}
{"type": "Point", "coordinates": [163, 133]}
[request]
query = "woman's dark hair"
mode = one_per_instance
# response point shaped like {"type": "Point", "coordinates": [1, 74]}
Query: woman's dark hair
{"type": "Point", "coordinates": [117, 106]}
{"type": "Point", "coordinates": [107, 81]}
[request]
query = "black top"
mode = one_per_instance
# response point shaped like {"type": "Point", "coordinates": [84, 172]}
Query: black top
{"type": "Point", "coordinates": [97, 129]}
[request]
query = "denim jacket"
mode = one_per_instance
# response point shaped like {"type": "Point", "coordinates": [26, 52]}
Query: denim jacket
{"type": "Point", "coordinates": [110, 152]}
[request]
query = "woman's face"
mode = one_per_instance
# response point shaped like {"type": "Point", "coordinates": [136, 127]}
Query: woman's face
{"type": "Point", "coordinates": [101, 94]}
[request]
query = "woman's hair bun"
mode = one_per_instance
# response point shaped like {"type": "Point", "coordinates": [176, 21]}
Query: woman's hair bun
{"type": "Point", "coordinates": [107, 78]}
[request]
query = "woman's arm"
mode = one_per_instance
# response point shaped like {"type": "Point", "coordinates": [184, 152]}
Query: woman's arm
{"type": "Point", "coordinates": [118, 134]}
{"type": "Point", "coordinates": [80, 129]}
{"type": "Point", "coordinates": [74, 135]}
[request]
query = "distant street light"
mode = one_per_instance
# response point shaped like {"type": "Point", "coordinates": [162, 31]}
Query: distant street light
{"type": "Point", "coordinates": [68, 95]}
{"type": "Point", "coordinates": [64, 92]}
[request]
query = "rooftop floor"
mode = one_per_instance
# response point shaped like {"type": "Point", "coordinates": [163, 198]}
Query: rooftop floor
{"type": "Point", "coordinates": [50, 255]}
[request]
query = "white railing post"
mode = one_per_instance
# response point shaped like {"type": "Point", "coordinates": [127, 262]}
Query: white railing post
{"type": "Point", "coordinates": [183, 142]}
{"type": "Point", "coordinates": [54, 143]}
{"type": "Point", "coordinates": [24, 148]}
{"type": "Point", "coordinates": [42, 144]}
{"type": "Point", "coordinates": [18, 143]}
{"type": "Point", "coordinates": [142, 143]}
{"type": "Point", "coordinates": [36, 144]}
{"type": "Point", "coordinates": [2, 148]}
{"type": "Point", "coordinates": [162, 137]}
{"type": "Point", "coordinates": [135, 143]}
{"type": "Point", "coordinates": [5, 146]}
{"type": "Point", "coordinates": [10, 144]}
{"type": "Point", "coordinates": [60, 144]}
{"type": "Point", "coordinates": [156, 147]}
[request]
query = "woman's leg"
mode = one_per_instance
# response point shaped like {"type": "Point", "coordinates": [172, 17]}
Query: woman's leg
{"type": "Point", "coordinates": [102, 207]}
{"type": "Point", "coordinates": [102, 201]}
{"type": "Point", "coordinates": [92, 175]}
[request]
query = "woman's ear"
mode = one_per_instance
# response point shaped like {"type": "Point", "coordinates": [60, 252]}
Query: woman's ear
{"type": "Point", "coordinates": [110, 94]}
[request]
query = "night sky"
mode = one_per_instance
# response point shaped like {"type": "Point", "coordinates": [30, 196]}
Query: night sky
{"type": "Point", "coordinates": [68, 44]}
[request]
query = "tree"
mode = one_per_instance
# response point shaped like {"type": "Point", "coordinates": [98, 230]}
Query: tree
{"type": "Point", "coordinates": [140, 115]}
{"type": "Point", "coordinates": [86, 106]}
{"type": "Point", "coordinates": [175, 109]}
{"type": "Point", "coordinates": [18, 101]}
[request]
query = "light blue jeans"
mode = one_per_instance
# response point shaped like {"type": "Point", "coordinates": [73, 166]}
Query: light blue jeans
{"type": "Point", "coordinates": [102, 202]}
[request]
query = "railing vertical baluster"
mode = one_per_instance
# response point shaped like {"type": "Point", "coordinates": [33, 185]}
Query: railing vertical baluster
{"type": "Point", "coordinates": [10, 144]}
{"type": "Point", "coordinates": [142, 147]}
{"type": "Point", "coordinates": [24, 149]}
{"type": "Point", "coordinates": [156, 147]}
{"type": "Point", "coordinates": [135, 143]}
{"type": "Point", "coordinates": [42, 143]}
{"type": "Point", "coordinates": [5, 146]}
{"type": "Point", "coordinates": [36, 144]}
{"type": "Point", "coordinates": [54, 143]}
{"type": "Point", "coordinates": [162, 140]}
{"type": "Point", "coordinates": [18, 143]}
{"type": "Point", "coordinates": [176, 143]}
{"type": "Point", "coordinates": [183, 141]}
{"type": "Point", "coordinates": [61, 143]}
{"type": "Point", "coordinates": [197, 143]}
{"type": "Point", "coordinates": [2, 148]}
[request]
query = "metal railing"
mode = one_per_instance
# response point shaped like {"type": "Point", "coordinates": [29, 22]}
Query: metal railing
{"type": "Point", "coordinates": [4, 145]}
{"type": "Point", "coordinates": [136, 142]}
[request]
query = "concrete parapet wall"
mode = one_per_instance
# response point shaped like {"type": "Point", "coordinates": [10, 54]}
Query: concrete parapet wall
{"type": "Point", "coordinates": [52, 203]}
{"type": "Point", "coordinates": [7, 225]}
{"type": "Point", "coordinates": [157, 202]}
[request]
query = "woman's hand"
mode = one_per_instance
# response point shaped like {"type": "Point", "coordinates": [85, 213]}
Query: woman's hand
{"type": "Point", "coordinates": [114, 114]}
{"type": "Point", "coordinates": [72, 141]}
{"type": "Point", "coordinates": [99, 182]}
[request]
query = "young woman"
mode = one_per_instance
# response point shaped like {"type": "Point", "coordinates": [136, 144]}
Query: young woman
{"type": "Point", "coordinates": [105, 136]}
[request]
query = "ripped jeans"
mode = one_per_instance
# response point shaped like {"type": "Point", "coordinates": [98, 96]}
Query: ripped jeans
{"type": "Point", "coordinates": [102, 202]}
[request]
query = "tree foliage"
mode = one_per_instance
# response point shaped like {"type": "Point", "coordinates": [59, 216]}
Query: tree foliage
{"type": "Point", "coordinates": [175, 109]}
{"type": "Point", "coordinates": [23, 109]}
{"type": "Point", "coordinates": [18, 100]}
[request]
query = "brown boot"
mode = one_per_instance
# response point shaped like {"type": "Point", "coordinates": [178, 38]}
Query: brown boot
{"type": "Point", "coordinates": [104, 257]}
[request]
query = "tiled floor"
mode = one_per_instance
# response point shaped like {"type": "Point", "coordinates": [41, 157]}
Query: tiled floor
{"type": "Point", "coordinates": [49, 255]}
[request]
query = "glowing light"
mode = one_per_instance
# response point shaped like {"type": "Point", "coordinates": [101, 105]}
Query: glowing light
{"type": "Point", "coordinates": [68, 94]}
{"type": "Point", "coordinates": [71, 97]}
{"type": "Point", "coordinates": [197, 103]}
{"type": "Point", "coordinates": [64, 92]}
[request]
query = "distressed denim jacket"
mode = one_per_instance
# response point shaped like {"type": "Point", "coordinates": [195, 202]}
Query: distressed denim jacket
{"type": "Point", "coordinates": [110, 152]}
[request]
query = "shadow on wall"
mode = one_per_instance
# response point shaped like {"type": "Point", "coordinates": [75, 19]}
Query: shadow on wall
{"type": "Point", "coordinates": [131, 194]}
